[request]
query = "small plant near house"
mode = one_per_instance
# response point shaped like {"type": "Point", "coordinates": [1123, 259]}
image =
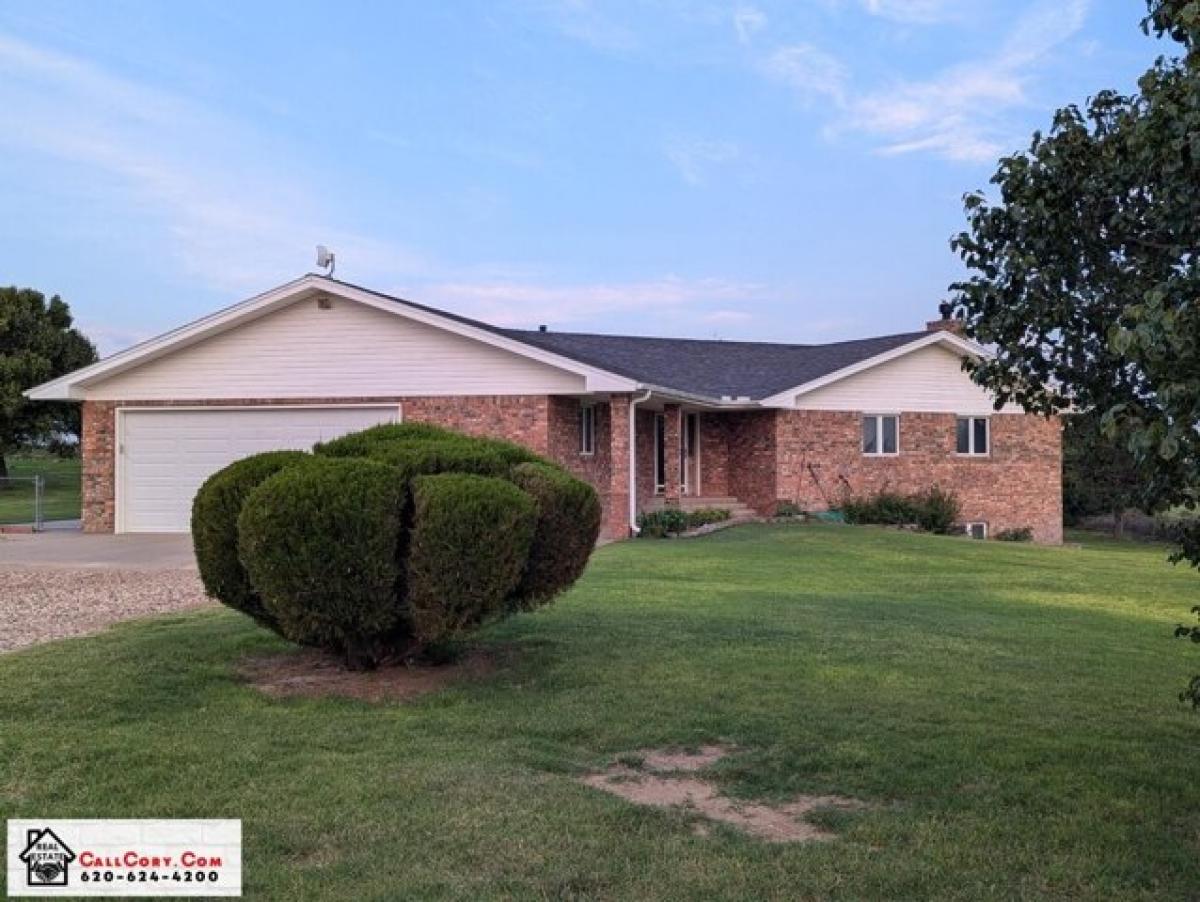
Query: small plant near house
{"type": "Point", "coordinates": [392, 540]}
{"type": "Point", "coordinates": [1016, 534]}
{"type": "Point", "coordinates": [933, 510]}
{"type": "Point", "coordinates": [705, 515]}
{"type": "Point", "coordinates": [789, 509]}
{"type": "Point", "coordinates": [672, 521]}
{"type": "Point", "coordinates": [937, 510]}
{"type": "Point", "coordinates": [661, 523]}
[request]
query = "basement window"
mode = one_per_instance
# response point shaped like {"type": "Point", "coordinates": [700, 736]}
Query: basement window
{"type": "Point", "coordinates": [977, 530]}
{"type": "Point", "coordinates": [973, 436]}
{"type": "Point", "coordinates": [587, 429]}
{"type": "Point", "coordinates": [880, 434]}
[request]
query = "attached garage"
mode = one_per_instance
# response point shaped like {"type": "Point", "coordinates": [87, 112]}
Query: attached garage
{"type": "Point", "coordinates": [305, 362]}
{"type": "Point", "coordinates": [164, 454]}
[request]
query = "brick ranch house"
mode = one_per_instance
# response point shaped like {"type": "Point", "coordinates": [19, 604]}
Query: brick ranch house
{"type": "Point", "coordinates": [647, 421]}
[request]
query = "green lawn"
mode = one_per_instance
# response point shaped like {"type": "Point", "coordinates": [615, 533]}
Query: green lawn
{"type": "Point", "coordinates": [60, 500]}
{"type": "Point", "coordinates": [1008, 711]}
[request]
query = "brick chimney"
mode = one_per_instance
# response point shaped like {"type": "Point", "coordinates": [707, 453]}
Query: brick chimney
{"type": "Point", "coordinates": [945, 325]}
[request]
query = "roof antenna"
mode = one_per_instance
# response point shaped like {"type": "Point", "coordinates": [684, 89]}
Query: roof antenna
{"type": "Point", "coordinates": [325, 259]}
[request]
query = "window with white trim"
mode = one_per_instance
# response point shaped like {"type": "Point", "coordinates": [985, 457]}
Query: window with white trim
{"type": "Point", "coordinates": [973, 436]}
{"type": "Point", "coordinates": [587, 429]}
{"type": "Point", "coordinates": [880, 434]}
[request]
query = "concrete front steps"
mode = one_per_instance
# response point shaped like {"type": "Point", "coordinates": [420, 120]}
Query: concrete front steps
{"type": "Point", "coordinates": [737, 509]}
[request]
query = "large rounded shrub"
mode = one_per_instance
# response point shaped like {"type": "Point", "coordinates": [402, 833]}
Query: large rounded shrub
{"type": "Point", "coordinates": [320, 543]}
{"type": "Point", "coordinates": [215, 512]}
{"type": "Point", "coordinates": [392, 538]}
{"type": "Point", "coordinates": [568, 525]}
{"type": "Point", "coordinates": [468, 547]}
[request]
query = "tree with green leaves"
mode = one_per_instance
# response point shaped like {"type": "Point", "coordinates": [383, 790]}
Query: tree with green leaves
{"type": "Point", "coordinates": [1085, 271]}
{"type": "Point", "coordinates": [1100, 476]}
{"type": "Point", "coordinates": [37, 342]}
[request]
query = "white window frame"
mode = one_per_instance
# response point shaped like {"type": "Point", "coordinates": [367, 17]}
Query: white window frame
{"type": "Point", "coordinates": [587, 430]}
{"type": "Point", "coordinates": [878, 418]}
{"type": "Point", "coordinates": [660, 450]}
{"type": "Point", "coordinates": [987, 431]}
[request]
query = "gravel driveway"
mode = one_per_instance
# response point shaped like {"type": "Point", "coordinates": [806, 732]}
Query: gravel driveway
{"type": "Point", "coordinates": [40, 605]}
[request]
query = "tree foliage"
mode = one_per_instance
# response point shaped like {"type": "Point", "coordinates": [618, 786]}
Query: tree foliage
{"type": "Point", "coordinates": [1100, 475]}
{"type": "Point", "coordinates": [37, 343]}
{"type": "Point", "coordinates": [1084, 272]}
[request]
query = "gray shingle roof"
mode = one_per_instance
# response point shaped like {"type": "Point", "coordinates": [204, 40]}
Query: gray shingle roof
{"type": "Point", "coordinates": [714, 369]}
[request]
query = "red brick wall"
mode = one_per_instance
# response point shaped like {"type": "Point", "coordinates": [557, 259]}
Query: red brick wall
{"type": "Point", "coordinates": [595, 468]}
{"type": "Point", "coordinates": [714, 454]}
{"type": "Point", "coordinates": [97, 447]}
{"type": "Point", "coordinates": [1019, 484]}
{"type": "Point", "coordinates": [760, 457]}
{"type": "Point", "coordinates": [752, 459]}
{"type": "Point", "coordinates": [645, 457]}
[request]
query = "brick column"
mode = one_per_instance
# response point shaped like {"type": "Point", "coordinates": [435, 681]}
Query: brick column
{"type": "Point", "coordinates": [616, 514]}
{"type": "Point", "coordinates": [673, 441]}
{"type": "Point", "coordinates": [97, 451]}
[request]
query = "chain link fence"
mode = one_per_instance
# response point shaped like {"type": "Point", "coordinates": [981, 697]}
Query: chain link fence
{"type": "Point", "coordinates": [22, 501]}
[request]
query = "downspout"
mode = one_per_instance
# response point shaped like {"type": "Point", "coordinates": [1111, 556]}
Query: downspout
{"type": "Point", "coordinates": [633, 403]}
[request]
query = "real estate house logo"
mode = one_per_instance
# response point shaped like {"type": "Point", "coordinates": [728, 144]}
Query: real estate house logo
{"type": "Point", "coordinates": [47, 859]}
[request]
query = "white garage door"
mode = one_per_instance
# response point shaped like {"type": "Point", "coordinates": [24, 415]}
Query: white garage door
{"type": "Point", "coordinates": [165, 455]}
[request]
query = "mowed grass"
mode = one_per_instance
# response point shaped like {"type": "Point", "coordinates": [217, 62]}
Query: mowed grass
{"type": "Point", "coordinates": [1009, 712]}
{"type": "Point", "coordinates": [60, 499]}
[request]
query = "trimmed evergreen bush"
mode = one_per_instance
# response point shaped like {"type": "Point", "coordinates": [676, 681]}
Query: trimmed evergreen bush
{"type": "Point", "coordinates": [391, 539]}
{"type": "Point", "coordinates": [470, 541]}
{"type": "Point", "coordinates": [361, 444]}
{"type": "Point", "coordinates": [320, 544]}
{"type": "Point", "coordinates": [483, 457]}
{"type": "Point", "coordinates": [568, 525]}
{"type": "Point", "coordinates": [215, 512]}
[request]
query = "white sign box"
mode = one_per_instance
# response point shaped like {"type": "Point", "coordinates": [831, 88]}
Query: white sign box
{"type": "Point", "coordinates": [98, 857]}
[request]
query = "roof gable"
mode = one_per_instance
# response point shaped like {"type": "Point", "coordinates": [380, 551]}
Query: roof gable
{"type": "Point", "coordinates": [709, 371]}
{"type": "Point", "coordinates": [73, 385]}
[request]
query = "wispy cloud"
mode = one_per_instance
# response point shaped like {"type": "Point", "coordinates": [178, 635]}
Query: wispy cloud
{"type": "Point", "coordinates": [921, 12]}
{"type": "Point", "coordinates": [526, 304]}
{"type": "Point", "coordinates": [584, 21]}
{"type": "Point", "coordinates": [725, 317]}
{"type": "Point", "coordinates": [747, 22]}
{"type": "Point", "coordinates": [109, 339]}
{"type": "Point", "coordinates": [694, 157]}
{"type": "Point", "coordinates": [809, 71]}
{"type": "Point", "coordinates": [958, 114]}
{"type": "Point", "coordinates": [235, 223]}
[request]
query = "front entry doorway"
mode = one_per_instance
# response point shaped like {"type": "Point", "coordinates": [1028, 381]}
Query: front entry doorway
{"type": "Point", "coordinates": [689, 454]}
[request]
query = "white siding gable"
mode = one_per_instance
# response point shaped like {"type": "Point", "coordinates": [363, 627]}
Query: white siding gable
{"type": "Point", "coordinates": [929, 379]}
{"type": "Point", "coordinates": [350, 350]}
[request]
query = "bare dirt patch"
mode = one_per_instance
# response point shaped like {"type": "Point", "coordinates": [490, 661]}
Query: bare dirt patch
{"type": "Point", "coordinates": [316, 674]}
{"type": "Point", "coordinates": [651, 784]}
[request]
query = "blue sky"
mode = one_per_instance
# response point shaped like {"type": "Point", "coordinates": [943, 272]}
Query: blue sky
{"type": "Point", "coordinates": [783, 171]}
